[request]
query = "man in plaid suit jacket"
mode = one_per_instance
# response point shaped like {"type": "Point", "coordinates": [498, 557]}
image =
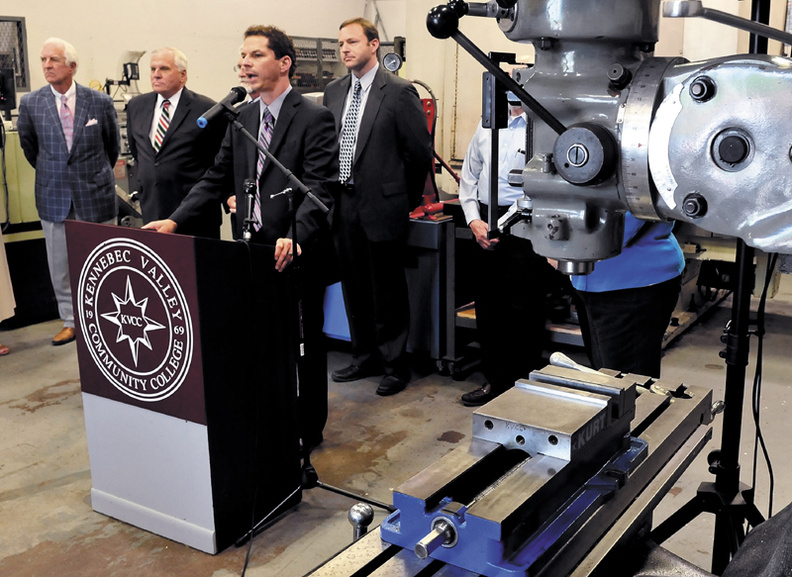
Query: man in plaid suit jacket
{"type": "Point", "coordinates": [69, 133]}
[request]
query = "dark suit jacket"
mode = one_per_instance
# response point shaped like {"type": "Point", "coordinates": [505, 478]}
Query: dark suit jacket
{"type": "Point", "coordinates": [83, 176]}
{"type": "Point", "coordinates": [392, 156]}
{"type": "Point", "coordinates": [304, 141]}
{"type": "Point", "coordinates": [187, 151]}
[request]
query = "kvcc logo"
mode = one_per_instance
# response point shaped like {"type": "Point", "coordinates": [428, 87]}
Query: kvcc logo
{"type": "Point", "coordinates": [135, 319]}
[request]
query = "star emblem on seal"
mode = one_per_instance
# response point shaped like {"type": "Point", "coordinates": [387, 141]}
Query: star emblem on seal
{"type": "Point", "coordinates": [133, 324]}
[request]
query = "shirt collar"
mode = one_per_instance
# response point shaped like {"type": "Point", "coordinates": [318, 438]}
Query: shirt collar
{"type": "Point", "coordinates": [174, 100]}
{"type": "Point", "coordinates": [515, 121]}
{"type": "Point", "coordinates": [367, 79]}
{"type": "Point", "coordinates": [275, 106]}
{"type": "Point", "coordinates": [70, 93]}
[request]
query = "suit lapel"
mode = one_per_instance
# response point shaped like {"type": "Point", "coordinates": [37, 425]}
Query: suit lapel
{"type": "Point", "coordinates": [51, 111]}
{"type": "Point", "coordinates": [80, 115]}
{"type": "Point", "coordinates": [251, 122]}
{"type": "Point", "coordinates": [185, 102]}
{"type": "Point", "coordinates": [373, 102]}
{"type": "Point", "coordinates": [144, 121]}
{"type": "Point", "coordinates": [287, 112]}
{"type": "Point", "coordinates": [337, 106]}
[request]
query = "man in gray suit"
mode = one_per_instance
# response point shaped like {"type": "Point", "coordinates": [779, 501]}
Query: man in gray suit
{"type": "Point", "coordinates": [170, 150]}
{"type": "Point", "coordinates": [69, 133]}
{"type": "Point", "coordinates": [384, 135]}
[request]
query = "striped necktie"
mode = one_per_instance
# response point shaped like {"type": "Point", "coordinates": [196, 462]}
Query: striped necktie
{"type": "Point", "coordinates": [67, 121]}
{"type": "Point", "coordinates": [265, 136]}
{"type": "Point", "coordinates": [349, 136]}
{"type": "Point", "coordinates": [162, 125]}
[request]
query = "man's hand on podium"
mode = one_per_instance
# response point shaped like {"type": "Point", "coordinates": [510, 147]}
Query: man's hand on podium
{"type": "Point", "coordinates": [166, 225]}
{"type": "Point", "coordinates": [283, 253]}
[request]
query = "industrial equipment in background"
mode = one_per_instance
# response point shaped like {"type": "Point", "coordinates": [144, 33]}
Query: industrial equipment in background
{"type": "Point", "coordinates": [126, 88]}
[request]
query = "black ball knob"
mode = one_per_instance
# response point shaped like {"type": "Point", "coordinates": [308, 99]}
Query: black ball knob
{"type": "Point", "coordinates": [442, 21]}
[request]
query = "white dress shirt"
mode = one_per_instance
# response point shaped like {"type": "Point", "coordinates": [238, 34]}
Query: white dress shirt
{"type": "Point", "coordinates": [174, 102]}
{"type": "Point", "coordinates": [474, 185]}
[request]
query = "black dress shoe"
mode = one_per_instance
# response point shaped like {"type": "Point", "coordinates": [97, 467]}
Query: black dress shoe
{"type": "Point", "coordinates": [390, 385]}
{"type": "Point", "coordinates": [478, 397]}
{"type": "Point", "coordinates": [354, 372]}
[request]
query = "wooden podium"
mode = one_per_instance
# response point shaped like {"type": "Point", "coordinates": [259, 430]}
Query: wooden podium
{"type": "Point", "coordinates": [187, 367]}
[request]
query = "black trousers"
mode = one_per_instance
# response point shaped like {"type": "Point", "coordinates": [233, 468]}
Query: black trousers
{"type": "Point", "coordinates": [623, 329]}
{"type": "Point", "coordinates": [511, 284]}
{"type": "Point", "coordinates": [374, 284]}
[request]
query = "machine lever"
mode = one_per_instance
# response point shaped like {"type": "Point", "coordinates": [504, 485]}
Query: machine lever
{"type": "Point", "coordinates": [694, 8]}
{"type": "Point", "coordinates": [360, 516]}
{"type": "Point", "coordinates": [561, 360]}
{"type": "Point", "coordinates": [443, 22]}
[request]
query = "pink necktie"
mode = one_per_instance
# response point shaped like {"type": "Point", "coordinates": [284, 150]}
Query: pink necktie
{"type": "Point", "coordinates": [67, 121]}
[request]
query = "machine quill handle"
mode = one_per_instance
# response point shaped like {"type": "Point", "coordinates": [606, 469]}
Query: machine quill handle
{"type": "Point", "coordinates": [443, 22]}
{"type": "Point", "coordinates": [561, 360]}
{"type": "Point", "coordinates": [443, 533]}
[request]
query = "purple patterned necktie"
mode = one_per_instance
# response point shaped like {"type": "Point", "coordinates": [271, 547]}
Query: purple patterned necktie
{"type": "Point", "coordinates": [162, 125]}
{"type": "Point", "coordinates": [265, 136]}
{"type": "Point", "coordinates": [67, 121]}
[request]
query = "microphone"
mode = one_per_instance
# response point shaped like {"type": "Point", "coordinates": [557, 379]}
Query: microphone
{"type": "Point", "coordinates": [237, 94]}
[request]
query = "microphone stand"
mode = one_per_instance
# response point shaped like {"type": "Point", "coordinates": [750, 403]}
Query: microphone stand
{"type": "Point", "coordinates": [310, 478]}
{"type": "Point", "coordinates": [250, 199]}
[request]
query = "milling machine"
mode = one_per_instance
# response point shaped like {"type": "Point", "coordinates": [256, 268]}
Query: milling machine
{"type": "Point", "coordinates": [565, 469]}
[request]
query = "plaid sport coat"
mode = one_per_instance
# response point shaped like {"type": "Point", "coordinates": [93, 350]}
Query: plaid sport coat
{"type": "Point", "coordinates": [83, 177]}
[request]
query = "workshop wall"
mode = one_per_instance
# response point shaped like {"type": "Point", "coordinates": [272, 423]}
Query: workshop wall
{"type": "Point", "coordinates": [209, 33]}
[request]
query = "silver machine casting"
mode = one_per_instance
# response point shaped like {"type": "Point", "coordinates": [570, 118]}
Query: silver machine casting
{"type": "Point", "coordinates": [615, 128]}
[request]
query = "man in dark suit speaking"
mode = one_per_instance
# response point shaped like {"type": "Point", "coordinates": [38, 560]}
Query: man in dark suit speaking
{"type": "Point", "coordinates": [301, 135]}
{"type": "Point", "coordinates": [69, 133]}
{"type": "Point", "coordinates": [171, 152]}
{"type": "Point", "coordinates": [385, 155]}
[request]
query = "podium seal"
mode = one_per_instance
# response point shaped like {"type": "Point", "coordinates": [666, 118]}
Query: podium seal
{"type": "Point", "coordinates": [135, 320]}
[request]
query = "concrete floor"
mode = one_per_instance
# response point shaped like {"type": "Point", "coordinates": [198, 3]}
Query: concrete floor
{"type": "Point", "coordinates": [373, 444]}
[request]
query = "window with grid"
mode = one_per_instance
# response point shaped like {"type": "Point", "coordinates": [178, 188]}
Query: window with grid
{"type": "Point", "coordinates": [13, 50]}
